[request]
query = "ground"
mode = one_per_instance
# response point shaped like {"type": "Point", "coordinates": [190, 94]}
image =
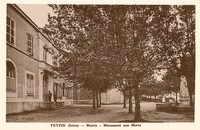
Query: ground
{"type": "Point", "coordinates": [107, 113]}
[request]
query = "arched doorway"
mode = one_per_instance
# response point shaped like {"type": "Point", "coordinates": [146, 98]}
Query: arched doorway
{"type": "Point", "coordinates": [45, 87]}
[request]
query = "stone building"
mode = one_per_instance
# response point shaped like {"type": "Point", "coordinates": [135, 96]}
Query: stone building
{"type": "Point", "coordinates": [30, 59]}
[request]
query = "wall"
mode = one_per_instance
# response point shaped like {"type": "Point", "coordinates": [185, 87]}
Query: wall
{"type": "Point", "coordinates": [43, 42]}
{"type": "Point", "coordinates": [112, 96]}
{"type": "Point", "coordinates": [21, 29]}
{"type": "Point", "coordinates": [19, 56]}
{"type": "Point", "coordinates": [24, 62]}
{"type": "Point", "coordinates": [18, 107]}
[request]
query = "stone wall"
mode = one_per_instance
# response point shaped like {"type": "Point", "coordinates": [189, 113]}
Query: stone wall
{"type": "Point", "coordinates": [18, 107]}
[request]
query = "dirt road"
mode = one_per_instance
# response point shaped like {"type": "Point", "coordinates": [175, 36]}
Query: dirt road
{"type": "Point", "coordinates": [107, 113]}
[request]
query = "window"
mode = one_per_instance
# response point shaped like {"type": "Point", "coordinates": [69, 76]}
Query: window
{"type": "Point", "coordinates": [45, 54]}
{"type": "Point", "coordinates": [30, 44]}
{"type": "Point", "coordinates": [10, 77]}
{"type": "Point", "coordinates": [55, 60]}
{"type": "Point", "coordinates": [10, 31]}
{"type": "Point", "coordinates": [30, 84]}
{"type": "Point", "coordinates": [10, 70]}
{"type": "Point", "coordinates": [59, 91]}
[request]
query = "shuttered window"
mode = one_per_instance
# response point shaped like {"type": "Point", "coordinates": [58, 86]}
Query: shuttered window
{"type": "Point", "coordinates": [30, 84]}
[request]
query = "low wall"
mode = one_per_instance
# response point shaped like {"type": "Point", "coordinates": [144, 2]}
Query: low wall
{"type": "Point", "coordinates": [166, 107]}
{"type": "Point", "coordinates": [68, 103]}
{"type": "Point", "coordinates": [17, 107]}
{"type": "Point", "coordinates": [173, 107]}
{"type": "Point", "coordinates": [83, 102]}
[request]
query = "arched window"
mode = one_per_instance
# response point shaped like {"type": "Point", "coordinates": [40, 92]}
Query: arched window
{"type": "Point", "coordinates": [10, 72]}
{"type": "Point", "coordinates": [11, 77]}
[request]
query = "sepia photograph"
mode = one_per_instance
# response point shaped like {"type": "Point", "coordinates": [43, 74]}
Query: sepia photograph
{"type": "Point", "coordinates": [100, 63]}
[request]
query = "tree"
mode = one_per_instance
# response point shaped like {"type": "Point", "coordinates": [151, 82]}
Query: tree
{"type": "Point", "coordinates": [117, 43]}
{"type": "Point", "coordinates": [77, 31]}
{"type": "Point", "coordinates": [187, 68]}
{"type": "Point", "coordinates": [152, 86]}
{"type": "Point", "coordinates": [174, 28]}
{"type": "Point", "coordinates": [131, 54]}
{"type": "Point", "coordinates": [171, 82]}
{"type": "Point", "coordinates": [122, 87]}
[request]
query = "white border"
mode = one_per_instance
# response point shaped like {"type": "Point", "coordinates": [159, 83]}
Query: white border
{"type": "Point", "coordinates": [153, 126]}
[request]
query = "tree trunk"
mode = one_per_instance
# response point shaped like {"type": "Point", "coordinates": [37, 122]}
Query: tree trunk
{"type": "Point", "coordinates": [190, 95]}
{"type": "Point", "coordinates": [100, 99]}
{"type": "Point", "coordinates": [97, 97]}
{"type": "Point", "coordinates": [130, 110]}
{"type": "Point", "coordinates": [140, 98]}
{"type": "Point", "coordinates": [124, 101]}
{"type": "Point", "coordinates": [137, 104]}
{"type": "Point", "coordinates": [176, 99]}
{"type": "Point", "coordinates": [189, 90]}
{"type": "Point", "coordinates": [94, 103]}
{"type": "Point", "coordinates": [155, 97]}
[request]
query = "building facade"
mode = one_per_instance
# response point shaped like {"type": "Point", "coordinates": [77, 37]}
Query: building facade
{"type": "Point", "coordinates": [30, 60]}
{"type": "Point", "coordinates": [112, 96]}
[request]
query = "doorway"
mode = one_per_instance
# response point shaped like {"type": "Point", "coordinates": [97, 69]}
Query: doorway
{"type": "Point", "coordinates": [45, 87]}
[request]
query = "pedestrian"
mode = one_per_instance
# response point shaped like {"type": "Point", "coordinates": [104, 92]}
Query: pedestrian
{"type": "Point", "coordinates": [49, 96]}
{"type": "Point", "coordinates": [55, 97]}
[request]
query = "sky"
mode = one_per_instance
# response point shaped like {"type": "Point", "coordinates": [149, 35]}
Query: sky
{"type": "Point", "coordinates": [38, 13]}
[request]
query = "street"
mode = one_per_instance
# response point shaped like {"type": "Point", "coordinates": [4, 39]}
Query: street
{"type": "Point", "coordinates": [107, 113]}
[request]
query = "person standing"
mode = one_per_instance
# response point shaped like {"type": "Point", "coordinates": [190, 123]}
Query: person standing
{"type": "Point", "coordinates": [49, 96]}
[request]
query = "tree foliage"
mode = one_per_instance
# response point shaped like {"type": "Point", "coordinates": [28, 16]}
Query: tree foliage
{"type": "Point", "coordinates": [104, 44]}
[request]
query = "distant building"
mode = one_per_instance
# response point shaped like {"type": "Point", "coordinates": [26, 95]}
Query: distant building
{"type": "Point", "coordinates": [81, 94]}
{"type": "Point", "coordinates": [30, 59]}
{"type": "Point", "coordinates": [112, 96]}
